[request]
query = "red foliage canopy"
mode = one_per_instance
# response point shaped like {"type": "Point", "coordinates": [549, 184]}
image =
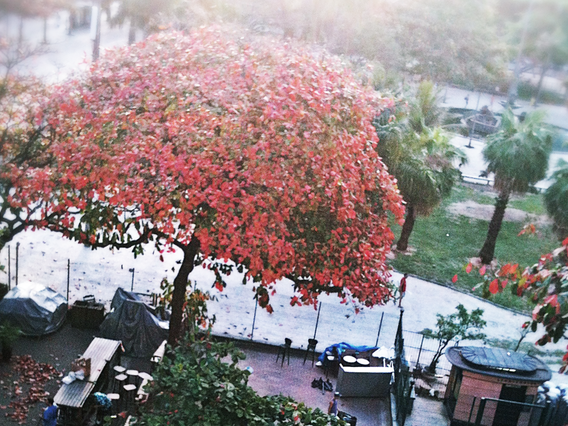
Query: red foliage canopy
{"type": "Point", "coordinates": [259, 150]}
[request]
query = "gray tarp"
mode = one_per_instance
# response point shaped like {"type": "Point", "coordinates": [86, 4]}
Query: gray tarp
{"type": "Point", "coordinates": [132, 322]}
{"type": "Point", "coordinates": [34, 308]}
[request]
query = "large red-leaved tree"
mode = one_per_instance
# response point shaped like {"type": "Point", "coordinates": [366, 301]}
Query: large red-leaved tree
{"type": "Point", "coordinates": [229, 148]}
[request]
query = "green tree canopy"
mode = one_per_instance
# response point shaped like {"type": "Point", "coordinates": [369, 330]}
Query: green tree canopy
{"type": "Point", "coordinates": [201, 384]}
{"type": "Point", "coordinates": [461, 325]}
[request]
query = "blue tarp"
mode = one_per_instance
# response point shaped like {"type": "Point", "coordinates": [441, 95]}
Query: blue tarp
{"type": "Point", "coordinates": [342, 347]}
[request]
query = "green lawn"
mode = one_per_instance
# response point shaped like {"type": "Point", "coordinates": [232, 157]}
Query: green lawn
{"type": "Point", "coordinates": [444, 243]}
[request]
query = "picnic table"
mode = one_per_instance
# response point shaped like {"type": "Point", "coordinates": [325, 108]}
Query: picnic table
{"type": "Point", "coordinates": [71, 398]}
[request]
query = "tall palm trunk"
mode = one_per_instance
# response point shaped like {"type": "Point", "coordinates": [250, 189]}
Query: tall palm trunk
{"type": "Point", "coordinates": [132, 31]}
{"type": "Point", "coordinates": [488, 250]}
{"type": "Point", "coordinates": [180, 287]}
{"type": "Point", "coordinates": [402, 243]}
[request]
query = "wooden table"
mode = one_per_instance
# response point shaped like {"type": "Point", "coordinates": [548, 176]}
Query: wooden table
{"type": "Point", "coordinates": [71, 398]}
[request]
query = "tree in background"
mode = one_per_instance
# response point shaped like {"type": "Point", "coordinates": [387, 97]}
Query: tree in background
{"type": "Point", "coordinates": [460, 325]}
{"type": "Point", "coordinates": [241, 152]}
{"type": "Point", "coordinates": [144, 15]}
{"type": "Point", "coordinates": [437, 39]}
{"type": "Point", "coordinates": [518, 156]}
{"type": "Point", "coordinates": [33, 8]}
{"type": "Point", "coordinates": [418, 155]}
{"type": "Point", "coordinates": [202, 384]}
{"type": "Point", "coordinates": [556, 199]}
{"type": "Point", "coordinates": [536, 32]}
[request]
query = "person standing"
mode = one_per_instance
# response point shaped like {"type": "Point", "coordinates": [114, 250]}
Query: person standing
{"type": "Point", "coordinates": [332, 409]}
{"type": "Point", "coordinates": [50, 414]}
{"type": "Point", "coordinates": [466, 99]}
{"type": "Point", "coordinates": [402, 289]}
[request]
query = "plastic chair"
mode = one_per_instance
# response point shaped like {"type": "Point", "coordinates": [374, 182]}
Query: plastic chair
{"type": "Point", "coordinates": [331, 362]}
{"type": "Point", "coordinates": [284, 350]}
{"type": "Point", "coordinates": [311, 347]}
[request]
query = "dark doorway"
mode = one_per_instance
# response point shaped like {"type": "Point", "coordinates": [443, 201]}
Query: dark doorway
{"type": "Point", "coordinates": [508, 414]}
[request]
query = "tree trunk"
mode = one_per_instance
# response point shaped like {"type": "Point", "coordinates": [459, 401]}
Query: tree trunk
{"type": "Point", "coordinates": [21, 32]}
{"type": "Point", "coordinates": [541, 80]}
{"type": "Point", "coordinates": [6, 352]}
{"type": "Point", "coordinates": [402, 243]}
{"type": "Point", "coordinates": [45, 30]}
{"type": "Point", "coordinates": [488, 250]}
{"type": "Point", "coordinates": [132, 32]}
{"type": "Point", "coordinates": [180, 287]}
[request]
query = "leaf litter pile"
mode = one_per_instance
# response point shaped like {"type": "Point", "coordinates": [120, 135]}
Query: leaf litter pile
{"type": "Point", "coordinates": [28, 387]}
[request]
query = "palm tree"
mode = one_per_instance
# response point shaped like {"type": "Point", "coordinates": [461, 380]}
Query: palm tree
{"type": "Point", "coordinates": [518, 155]}
{"type": "Point", "coordinates": [556, 199]}
{"type": "Point", "coordinates": [425, 110]}
{"type": "Point", "coordinates": [425, 176]}
{"type": "Point", "coordinates": [419, 156]}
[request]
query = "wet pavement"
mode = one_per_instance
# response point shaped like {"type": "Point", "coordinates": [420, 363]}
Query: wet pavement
{"type": "Point", "coordinates": [272, 378]}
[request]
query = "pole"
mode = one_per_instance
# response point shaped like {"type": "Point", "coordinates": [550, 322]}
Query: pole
{"type": "Point", "coordinates": [380, 326]}
{"type": "Point", "coordinates": [478, 97]}
{"type": "Point", "coordinates": [9, 270]}
{"type": "Point", "coordinates": [420, 350]}
{"type": "Point", "coordinates": [132, 285]}
{"type": "Point", "coordinates": [471, 132]}
{"type": "Point", "coordinates": [254, 317]}
{"type": "Point", "coordinates": [17, 252]}
{"type": "Point", "coordinates": [480, 411]}
{"type": "Point", "coordinates": [96, 29]}
{"type": "Point", "coordinates": [317, 320]}
{"type": "Point", "coordinates": [68, 275]}
{"type": "Point", "coordinates": [471, 411]}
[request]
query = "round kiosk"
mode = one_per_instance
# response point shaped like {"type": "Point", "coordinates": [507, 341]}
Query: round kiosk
{"type": "Point", "coordinates": [498, 375]}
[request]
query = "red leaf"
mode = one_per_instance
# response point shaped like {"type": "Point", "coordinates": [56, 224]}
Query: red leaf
{"type": "Point", "coordinates": [494, 286]}
{"type": "Point", "coordinates": [455, 278]}
{"type": "Point", "coordinates": [482, 270]}
{"type": "Point", "coordinates": [469, 267]}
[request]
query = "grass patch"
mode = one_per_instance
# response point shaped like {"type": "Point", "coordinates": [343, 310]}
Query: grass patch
{"type": "Point", "coordinates": [444, 243]}
{"type": "Point", "coordinates": [530, 203]}
{"type": "Point", "coordinates": [469, 192]}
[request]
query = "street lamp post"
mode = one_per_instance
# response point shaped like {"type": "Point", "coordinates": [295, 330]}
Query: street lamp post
{"type": "Point", "coordinates": [132, 285]}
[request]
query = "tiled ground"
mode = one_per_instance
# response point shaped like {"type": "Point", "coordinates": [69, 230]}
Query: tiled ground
{"type": "Point", "coordinates": [270, 377]}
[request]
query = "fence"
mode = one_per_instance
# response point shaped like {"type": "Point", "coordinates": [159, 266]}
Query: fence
{"type": "Point", "coordinates": [402, 384]}
{"type": "Point", "coordinates": [75, 271]}
{"type": "Point", "coordinates": [419, 352]}
{"type": "Point", "coordinates": [503, 412]}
